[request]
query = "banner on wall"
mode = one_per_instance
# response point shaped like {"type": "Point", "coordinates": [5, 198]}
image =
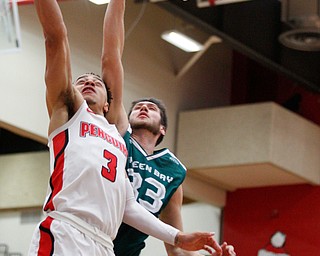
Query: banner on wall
{"type": "Point", "coordinates": [276, 246]}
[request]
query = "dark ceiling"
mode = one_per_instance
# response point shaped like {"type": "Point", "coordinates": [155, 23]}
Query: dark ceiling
{"type": "Point", "coordinates": [253, 28]}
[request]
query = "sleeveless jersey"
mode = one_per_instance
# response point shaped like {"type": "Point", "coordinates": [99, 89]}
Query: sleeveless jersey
{"type": "Point", "coordinates": [154, 178]}
{"type": "Point", "coordinates": [87, 167]}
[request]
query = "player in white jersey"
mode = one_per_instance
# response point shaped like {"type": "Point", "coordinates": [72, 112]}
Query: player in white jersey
{"type": "Point", "coordinates": [89, 193]}
{"type": "Point", "coordinates": [96, 202]}
{"type": "Point", "coordinates": [84, 191]}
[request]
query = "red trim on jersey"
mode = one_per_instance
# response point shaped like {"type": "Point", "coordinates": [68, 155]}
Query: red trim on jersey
{"type": "Point", "coordinates": [212, 2]}
{"type": "Point", "coordinates": [60, 142]}
{"type": "Point", "coordinates": [46, 241]}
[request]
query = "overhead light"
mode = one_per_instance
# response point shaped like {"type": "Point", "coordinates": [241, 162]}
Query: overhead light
{"type": "Point", "coordinates": [182, 41]}
{"type": "Point", "coordinates": [99, 2]}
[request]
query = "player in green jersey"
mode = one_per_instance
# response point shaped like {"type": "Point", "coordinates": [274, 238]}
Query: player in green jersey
{"type": "Point", "coordinates": [156, 176]}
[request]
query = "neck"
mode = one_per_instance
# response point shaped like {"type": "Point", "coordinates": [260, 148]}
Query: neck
{"type": "Point", "coordinates": [146, 139]}
{"type": "Point", "coordinates": [94, 107]}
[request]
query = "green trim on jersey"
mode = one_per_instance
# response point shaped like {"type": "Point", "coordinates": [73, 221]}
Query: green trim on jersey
{"type": "Point", "coordinates": [154, 178]}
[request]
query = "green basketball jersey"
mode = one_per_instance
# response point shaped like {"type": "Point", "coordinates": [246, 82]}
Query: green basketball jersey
{"type": "Point", "coordinates": [154, 178]}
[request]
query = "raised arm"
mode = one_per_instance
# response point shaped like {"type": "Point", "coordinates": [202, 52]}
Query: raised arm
{"type": "Point", "coordinates": [58, 71]}
{"type": "Point", "coordinates": [112, 69]}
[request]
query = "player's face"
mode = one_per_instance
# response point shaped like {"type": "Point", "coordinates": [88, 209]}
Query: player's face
{"type": "Point", "coordinates": [146, 115]}
{"type": "Point", "coordinates": [92, 89]}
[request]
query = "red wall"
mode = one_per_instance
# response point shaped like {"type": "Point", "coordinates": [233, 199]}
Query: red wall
{"type": "Point", "coordinates": [252, 216]}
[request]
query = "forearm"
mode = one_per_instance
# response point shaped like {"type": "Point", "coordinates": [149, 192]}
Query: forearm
{"type": "Point", "coordinates": [138, 217]}
{"type": "Point", "coordinates": [111, 64]}
{"type": "Point", "coordinates": [50, 18]}
{"type": "Point", "coordinates": [58, 68]}
{"type": "Point", "coordinates": [113, 30]}
{"type": "Point", "coordinates": [171, 214]}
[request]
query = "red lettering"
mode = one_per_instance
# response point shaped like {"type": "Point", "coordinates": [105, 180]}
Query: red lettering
{"type": "Point", "coordinates": [115, 143]}
{"type": "Point", "coordinates": [123, 149]}
{"type": "Point", "coordinates": [101, 133]}
{"type": "Point", "coordinates": [108, 138]}
{"type": "Point", "coordinates": [84, 129]}
{"type": "Point", "coordinates": [93, 130]}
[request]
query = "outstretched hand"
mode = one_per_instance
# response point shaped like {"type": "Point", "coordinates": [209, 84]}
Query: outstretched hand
{"type": "Point", "coordinates": [227, 250]}
{"type": "Point", "coordinates": [199, 241]}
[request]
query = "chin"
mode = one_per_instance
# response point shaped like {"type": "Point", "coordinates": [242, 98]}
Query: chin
{"type": "Point", "coordinates": [88, 99]}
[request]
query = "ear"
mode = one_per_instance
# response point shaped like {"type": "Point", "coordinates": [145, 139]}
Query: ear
{"type": "Point", "coordinates": [106, 107]}
{"type": "Point", "coordinates": [162, 130]}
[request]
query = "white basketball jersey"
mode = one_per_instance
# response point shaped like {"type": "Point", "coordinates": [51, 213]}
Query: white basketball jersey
{"type": "Point", "coordinates": [87, 168]}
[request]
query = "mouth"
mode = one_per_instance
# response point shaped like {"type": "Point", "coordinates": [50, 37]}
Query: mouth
{"type": "Point", "coordinates": [88, 90]}
{"type": "Point", "coordinates": [143, 116]}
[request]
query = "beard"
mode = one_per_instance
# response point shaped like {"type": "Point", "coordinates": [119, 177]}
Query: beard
{"type": "Point", "coordinates": [153, 128]}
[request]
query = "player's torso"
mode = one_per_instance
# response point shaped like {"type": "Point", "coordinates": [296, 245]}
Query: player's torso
{"type": "Point", "coordinates": [87, 170]}
{"type": "Point", "coordinates": [154, 177]}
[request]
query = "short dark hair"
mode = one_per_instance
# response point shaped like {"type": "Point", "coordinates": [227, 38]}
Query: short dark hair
{"type": "Point", "coordinates": [163, 113]}
{"type": "Point", "coordinates": [109, 94]}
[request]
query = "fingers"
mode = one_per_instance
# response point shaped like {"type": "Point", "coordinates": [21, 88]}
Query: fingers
{"type": "Point", "coordinates": [216, 246]}
{"type": "Point", "coordinates": [208, 249]}
{"type": "Point", "coordinates": [213, 246]}
{"type": "Point", "coordinates": [211, 251]}
{"type": "Point", "coordinates": [224, 245]}
{"type": "Point", "coordinates": [199, 240]}
{"type": "Point", "coordinates": [228, 250]}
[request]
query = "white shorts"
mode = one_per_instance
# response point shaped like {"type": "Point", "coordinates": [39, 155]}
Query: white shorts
{"type": "Point", "coordinates": [59, 238]}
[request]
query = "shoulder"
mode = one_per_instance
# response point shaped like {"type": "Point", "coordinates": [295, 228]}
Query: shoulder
{"type": "Point", "coordinates": [127, 136]}
{"type": "Point", "coordinates": [174, 159]}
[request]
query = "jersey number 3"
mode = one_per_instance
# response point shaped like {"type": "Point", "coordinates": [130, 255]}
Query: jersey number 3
{"type": "Point", "coordinates": [109, 172]}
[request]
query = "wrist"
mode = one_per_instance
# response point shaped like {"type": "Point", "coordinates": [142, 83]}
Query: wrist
{"type": "Point", "coordinates": [176, 239]}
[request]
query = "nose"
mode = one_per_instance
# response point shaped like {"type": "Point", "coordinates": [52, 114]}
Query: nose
{"type": "Point", "coordinates": [89, 82]}
{"type": "Point", "coordinates": [144, 107]}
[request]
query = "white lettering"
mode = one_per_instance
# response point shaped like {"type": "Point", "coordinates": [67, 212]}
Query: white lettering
{"type": "Point", "coordinates": [157, 173]}
{"type": "Point", "coordinates": [130, 171]}
{"type": "Point", "coordinates": [135, 164]}
{"type": "Point", "coordinates": [169, 179]}
{"type": "Point", "coordinates": [144, 167]}
{"type": "Point", "coordinates": [163, 177]}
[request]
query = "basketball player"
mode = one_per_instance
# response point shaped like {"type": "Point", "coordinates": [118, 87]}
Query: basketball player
{"type": "Point", "coordinates": [89, 194]}
{"type": "Point", "coordinates": [156, 176]}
